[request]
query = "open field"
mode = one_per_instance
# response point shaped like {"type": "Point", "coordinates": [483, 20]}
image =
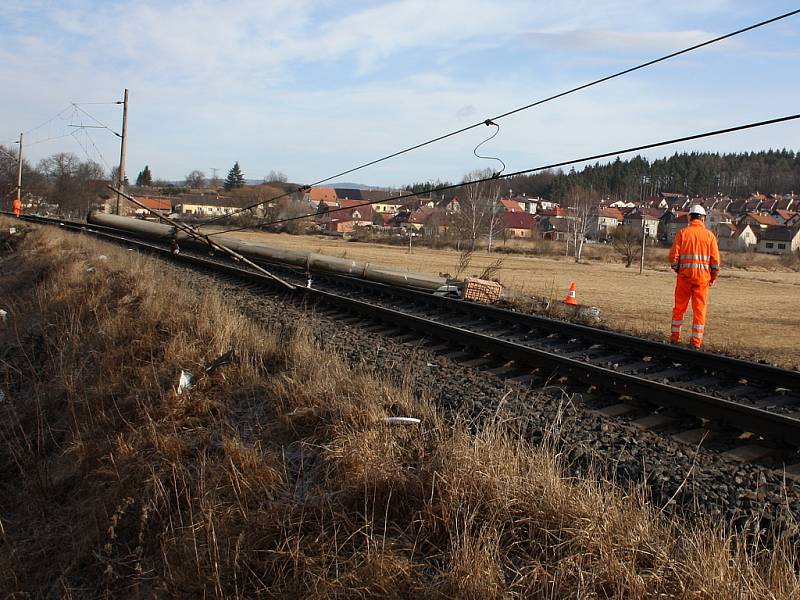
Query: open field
{"type": "Point", "coordinates": [275, 476]}
{"type": "Point", "coordinates": [753, 313]}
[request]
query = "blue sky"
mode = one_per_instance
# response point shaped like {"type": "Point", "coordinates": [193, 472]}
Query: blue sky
{"type": "Point", "coordinates": [314, 87]}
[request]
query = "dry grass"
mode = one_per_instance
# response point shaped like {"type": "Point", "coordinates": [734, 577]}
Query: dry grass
{"type": "Point", "coordinates": [752, 312]}
{"type": "Point", "coordinates": [276, 477]}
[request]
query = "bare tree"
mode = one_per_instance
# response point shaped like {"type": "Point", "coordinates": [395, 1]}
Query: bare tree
{"type": "Point", "coordinates": [627, 242]}
{"type": "Point", "coordinates": [72, 185]}
{"type": "Point", "coordinates": [194, 180]}
{"type": "Point", "coordinates": [477, 206]}
{"type": "Point", "coordinates": [580, 205]}
{"type": "Point", "coordinates": [276, 177]}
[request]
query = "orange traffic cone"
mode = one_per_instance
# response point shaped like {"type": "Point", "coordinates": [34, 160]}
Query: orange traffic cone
{"type": "Point", "coordinates": [572, 295]}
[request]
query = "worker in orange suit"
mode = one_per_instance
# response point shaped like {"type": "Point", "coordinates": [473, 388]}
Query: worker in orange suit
{"type": "Point", "coordinates": [16, 206]}
{"type": "Point", "coordinates": [695, 258]}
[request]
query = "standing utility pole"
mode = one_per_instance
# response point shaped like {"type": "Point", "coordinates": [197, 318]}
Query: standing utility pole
{"type": "Point", "coordinates": [644, 237]}
{"type": "Point", "coordinates": [121, 171]}
{"type": "Point", "coordinates": [19, 170]}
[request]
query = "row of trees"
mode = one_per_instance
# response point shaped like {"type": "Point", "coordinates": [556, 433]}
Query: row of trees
{"type": "Point", "coordinates": [694, 174]}
{"type": "Point", "coordinates": [60, 179]}
{"type": "Point", "coordinates": [235, 179]}
{"type": "Point", "coordinates": [74, 185]}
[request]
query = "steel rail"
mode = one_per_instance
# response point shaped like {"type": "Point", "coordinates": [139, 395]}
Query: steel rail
{"type": "Point", "coordinates": [748, 418]}
{"type": "Point", "coordinates": [742, 368]}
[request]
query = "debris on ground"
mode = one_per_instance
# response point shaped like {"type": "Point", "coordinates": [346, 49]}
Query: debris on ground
{"type": "Point", "coordinates": [225, 359]}
{"type": "Point", "coordinates": [184, 382]}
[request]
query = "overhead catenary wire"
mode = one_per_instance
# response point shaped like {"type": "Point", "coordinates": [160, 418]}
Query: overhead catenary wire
{"type": "Point", "coordinates": [100, 123]}
{"type": "Point", "coordinates": [555, 165]}
{"type": "Point", "coordinates": [515, 111]}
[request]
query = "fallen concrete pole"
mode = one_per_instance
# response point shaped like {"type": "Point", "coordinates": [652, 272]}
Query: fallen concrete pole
{"type": "Point", "coordinates": [312, 262]}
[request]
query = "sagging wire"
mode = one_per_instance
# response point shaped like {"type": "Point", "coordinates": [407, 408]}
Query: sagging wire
{"type": "Point", "coordinates": [489, 123]}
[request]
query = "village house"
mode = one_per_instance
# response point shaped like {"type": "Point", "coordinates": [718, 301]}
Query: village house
{"type": "Point", "coordinates": [530, 205]}
{"type": "Point", "coordinates": [554, 228]}
{"type": "Point", "coordinates": [779, 239]}
{"type": "Point", "coordinates": [651, 218]}
{"type": "Point", "coordinates": [671, 224]}
{"type": "Point", "coordinates": [714, 217]}
{"type": "Point", "coordinates": [603, 223]}
{"type": "Point", "coordinates": [346, 219]}
{"type": "Point", "coordinates": [416, 220]}
{"type": "Point", "coordinates": [735, 238]}
{"type": "Point", "coordinates": [208, 206]}
{"type": "Point", "coordinates": [511, 205]}
{"type": "Point", "coordinates": [518, 225]}
{"type": "Point", "coordinates": [783, 216]}
{"type": "Point", "coordinates": [759, 222]}
{"type": "Point", "coordinates": [156, 204]}
{"type": "Point", "coordinates": [320, 194]}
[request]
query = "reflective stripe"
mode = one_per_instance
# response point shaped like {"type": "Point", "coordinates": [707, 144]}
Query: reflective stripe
{"type": "Point", "coordinates": [695, 256]}
{"type": "Point", "coordinates": [677, 322]}
{"type": "Point", "coordinates": [715, 267]}
{"type": "Point", "coordinates": [676, 330]}
{"type": "Point", "coordinates": [698, 327]}
{"type": "Point", "coordinates": [694, 266]}
{"type": "Point", "coordinates": [571, 294]}
{"type": "Point", "coordinates": [697, 334]}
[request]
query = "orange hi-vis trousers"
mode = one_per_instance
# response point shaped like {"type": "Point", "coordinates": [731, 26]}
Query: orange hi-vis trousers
{"type": "Point", "coordinates": [697, 292]}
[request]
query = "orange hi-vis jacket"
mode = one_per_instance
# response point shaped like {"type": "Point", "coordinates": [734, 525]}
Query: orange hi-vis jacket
{"type": "Point", "coordinates": [695, 257]}
{"type": "Point", "coordinates": [695, 253]}
{"type": "Point", "coordinates": [16, 206]}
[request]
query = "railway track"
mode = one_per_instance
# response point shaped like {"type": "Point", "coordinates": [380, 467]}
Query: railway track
{"type": "Point", "coordinates": [717, 390]}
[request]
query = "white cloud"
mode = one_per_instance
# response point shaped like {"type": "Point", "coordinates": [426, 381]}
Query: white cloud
{"type": "Point", "coordinates": [215, 82]}
{"type": "Point", "coordinates": [609, 41]}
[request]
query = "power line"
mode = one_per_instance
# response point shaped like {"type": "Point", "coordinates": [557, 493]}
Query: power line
{"type": "Point", "coordinates": [545, 167]}
{"type": "Point", "coordinates": [522, 108]}
{"type": "Point", "coordinates": [103, 125]}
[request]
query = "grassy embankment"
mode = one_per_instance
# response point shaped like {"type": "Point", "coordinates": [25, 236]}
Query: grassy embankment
{"type": "Point", "coordinates": [276, 475]}
{"type": "Point", "coordinates": [753, 310]}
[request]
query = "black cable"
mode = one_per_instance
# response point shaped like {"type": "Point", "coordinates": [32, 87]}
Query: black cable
{"type": "Point", "coordinates": [103, 125]}
{"type": "Point", "coordinates": [517, 110]}
{"type": "Point", "coordinates": [543, 168]}
{"type": "Point", "coordinates": [491, 137]}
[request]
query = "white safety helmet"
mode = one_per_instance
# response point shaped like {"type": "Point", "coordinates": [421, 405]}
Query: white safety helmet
{"type": "Point", "coordinates": [697, 210]}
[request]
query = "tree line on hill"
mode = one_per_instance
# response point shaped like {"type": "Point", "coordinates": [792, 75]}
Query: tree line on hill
{"type": "Point", "coordinates": [689, 173]}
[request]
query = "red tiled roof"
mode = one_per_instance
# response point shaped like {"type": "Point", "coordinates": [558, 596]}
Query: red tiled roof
{"type": "Point", "coordinates": [322, 194]}
{"type": "Point", "coordinates": [763, 219]}
{"type": "Point", "coordinates": [612, 213]}
{"type": "Point", "coordinates": [511, 205]}
{"type": "Point", "coordinates": [519, 220]}
{"type": "Point", "coordinates": [155, 203]}
{"type": "Point", "coordinates": [420, 215]}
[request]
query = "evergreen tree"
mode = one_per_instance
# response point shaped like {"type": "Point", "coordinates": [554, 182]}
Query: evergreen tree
{"type": "Point", "coordinates": [235, 178]}
{"type": "Point", "coordinates": [145, 178]}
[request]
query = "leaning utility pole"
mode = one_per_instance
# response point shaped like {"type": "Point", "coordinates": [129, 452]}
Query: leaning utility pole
{"type": "Point", "coordinates": [19, 170]}
{"type": "Point", "coordinates": [121, 171]}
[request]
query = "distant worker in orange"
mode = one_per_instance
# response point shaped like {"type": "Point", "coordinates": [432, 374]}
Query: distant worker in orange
{"type": "Point", "coordinates": [16, 206]}
{"type": "Point", "coordinates": [695, 258]}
